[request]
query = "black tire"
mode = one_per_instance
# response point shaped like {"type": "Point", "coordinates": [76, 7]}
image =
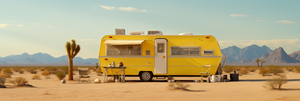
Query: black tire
{"type": "Point", "coordinates": [146, 76]}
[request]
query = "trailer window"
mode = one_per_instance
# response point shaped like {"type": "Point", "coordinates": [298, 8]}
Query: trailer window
{"type": "Point", "coordinates": [208, 52]}
{"type": "Point", "coordinates": [123, 49]}
{"type": "Point", "coordinates": [160, 47]}
{"type": "Point", "coordinates": [185, 50]}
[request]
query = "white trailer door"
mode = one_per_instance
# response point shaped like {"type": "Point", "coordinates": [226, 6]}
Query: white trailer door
{"type": "Point", "coordinates": [161, 56]}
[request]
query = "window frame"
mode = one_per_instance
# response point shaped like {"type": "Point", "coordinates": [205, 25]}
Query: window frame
{"type": "Point", "coordinates": [213, 52]}
{"type": "Point", "coordinates": [106, 50]}
{"type": "Point", "coordinates": [199, 47]}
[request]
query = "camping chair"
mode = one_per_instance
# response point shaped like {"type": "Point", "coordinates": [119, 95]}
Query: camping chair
{"type": "Point", "coordinates": [83, 73]}
{"type": "Point", "coordinates": [205, 70]}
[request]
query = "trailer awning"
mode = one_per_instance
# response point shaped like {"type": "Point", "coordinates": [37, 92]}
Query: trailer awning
{"type": "Point", "coordinates": [123, 42]}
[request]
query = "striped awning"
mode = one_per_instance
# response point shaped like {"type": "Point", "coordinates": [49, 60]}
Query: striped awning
{"type": "Point", "coordinates": [123, 42]}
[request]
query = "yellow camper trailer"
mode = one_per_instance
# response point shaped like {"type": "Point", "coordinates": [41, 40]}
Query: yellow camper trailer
{"type": "Point", "coordinates": [157, 55]}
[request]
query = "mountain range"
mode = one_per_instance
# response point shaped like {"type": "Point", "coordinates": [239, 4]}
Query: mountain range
{"type": "Point", "coordinates": [43, 58]}
{"type": "Point", "coordinates": [234, 55]}
{"type": "Point", "coordinates": [250, 53]}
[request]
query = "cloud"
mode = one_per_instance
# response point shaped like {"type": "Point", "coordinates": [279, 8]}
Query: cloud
{"type": "Point", "coordinates": [94, 7]}
{"type": "Point", "coordinates": [108, 7]}
{"type": "Point", "coordinates": [49, 26]}
{"type": "Point", "coordinates": [285, 21]}
{"type": "Point", "coordinates": [131, 9]}
{"type": "Point", "coordinates": [3, 25]}
{"type": "Point", "coordinates": [36, 23]}
{"type": "Point", "coordinates": [239, 15]}
{"type": "Point", "coordinates": [21, 25]}
{"type": "Point", "coordinates": [290, 45]}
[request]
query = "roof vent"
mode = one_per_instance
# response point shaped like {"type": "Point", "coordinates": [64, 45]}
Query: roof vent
{"type": "Point", "coordinates": [185, 34]}
{"type": "Point", "coordinates": [154, 32]}
{"type": "Point", "coordinates": [120, 31]}
{"type": "Point", "coordinates": [136, 32]}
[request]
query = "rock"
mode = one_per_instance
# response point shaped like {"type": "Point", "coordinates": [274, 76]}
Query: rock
{"type": "Point", "coordinates": [97, 81]}
{"type": "Point", "coordinates": [63, 81]}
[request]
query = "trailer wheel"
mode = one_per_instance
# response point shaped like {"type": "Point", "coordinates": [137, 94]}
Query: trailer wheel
{"type": "Point", "coordinates": [146, 76]}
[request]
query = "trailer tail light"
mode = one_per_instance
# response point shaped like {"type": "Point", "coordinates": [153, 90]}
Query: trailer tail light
{"type": "Point", "coordinates": [105, 59]}
{"type": "Point", "coordinates": [110, 36]}
{"type": "Point", "coordinates": [207, 37]}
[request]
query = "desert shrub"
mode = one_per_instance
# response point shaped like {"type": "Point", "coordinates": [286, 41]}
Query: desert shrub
{"type": "Point", "coordinates": [7, 75]}
{"type": "Point", "coordinates": [276, 82]}
{"type": "Point", "coordinates": [297, 69]}
{"type": "Point", "coordinates": [94, 69]}
{"type": "Point", "coordinates": [237, 68]}
{"type": "Point", "coordinates": [276, 70]}
{"type": "Point", "coordinates": [2, 80]}
{"type": "Point", "coordinates": [252, 69]}
{"type": "Point", "coordinates": [290, 69]}
{"type": "Point", "coordinates": [36, 77]}
{"type": "Point", "coordinates": [264, 71]}
{"type": "Point", "coordinates": [19, 81]}
{"type": "Point", "coordinates": [61, 75]}
{"type": "Point", "coordinates": [178, 85]}
{"type": "Point", "coordinates": [228, 69]}
{"type": "Point", "coordinates": [98, 71]}
{"type": "Point", "coordinates": [244, 71]}
{"type": "Point", "coordinates": [33, 72]}
{"type": "Point", "coordinates": [65, 69]}
{"type": "Point", "coordinates": [7, 70]}
{"type": "Point", "coordinates": [0, 70]}
{"type": "Point", "coordinates": [46, 73]}
{"type": "Point", "coordinates": [21, 71]}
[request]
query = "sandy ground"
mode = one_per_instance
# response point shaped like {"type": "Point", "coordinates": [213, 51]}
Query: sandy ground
{"type": "Point", "coordinates": [249, 88]}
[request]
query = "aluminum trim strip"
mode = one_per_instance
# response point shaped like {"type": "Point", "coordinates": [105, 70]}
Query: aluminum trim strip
{"type": "Point", "coordinates": [153, 56]}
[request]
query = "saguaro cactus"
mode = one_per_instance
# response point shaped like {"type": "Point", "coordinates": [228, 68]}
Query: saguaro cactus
{"type": "Point", "coordinates": [72, 51]}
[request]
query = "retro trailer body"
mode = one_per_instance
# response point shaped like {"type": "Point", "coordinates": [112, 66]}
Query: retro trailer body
{"type": "Point", "coordinates": [157, 55]}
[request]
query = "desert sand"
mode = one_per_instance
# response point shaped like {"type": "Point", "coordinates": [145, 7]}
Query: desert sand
{"type": "Point", "coordinates": [249, 88]}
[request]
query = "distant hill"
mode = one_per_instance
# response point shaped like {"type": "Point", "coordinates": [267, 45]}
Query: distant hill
{"type": "Point", "coordinates": [278, 56]}
{"type": "Point", "coordinates": [43, 58]}
{"type": "Point", "coordinates": [295, 55]}
{"type": "Point", "coordinates": [235, 54]}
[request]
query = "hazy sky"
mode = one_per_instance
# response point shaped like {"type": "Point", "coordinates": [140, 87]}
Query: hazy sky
{"type": "Point", "coordinates": [45, 26]}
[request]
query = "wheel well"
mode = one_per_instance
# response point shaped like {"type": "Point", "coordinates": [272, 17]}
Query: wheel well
{"type": "Point", "coordinates": [145, 71]}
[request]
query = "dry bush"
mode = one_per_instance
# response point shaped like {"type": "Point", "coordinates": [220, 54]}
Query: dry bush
{"type": "Point", "coordinates": [98, 71]}
{"type": "Point", "coordinates": [19, 81]}
{"type": "Point", "coordinates": [276, 82]}
{"type": "Point", "coordinates": [297, 69]}
{"type": "Point", "coordinates": [2, 80]}
{"type": "Point", "coordinates": [237, 68]}
{"type": "Point", "coordinates": [276, 70]}
{"type": "Point", "coordinates": [94, 69]}
{"type": "Point", "coordinates": [244, 71]}
{"type": "Point", "coordinates": [178, 85]}
{"type": "Point", "coordinates": [21, 71]}
{"type": "Point", "coordinates": [252, 69]}
{"type": "Point", "coordinates": [33, 72]}
{"type": "Point", "coordinates": [36, 77]}
{"type": "Point", "coordinates": [264, 71]}
{"type": "Point", "coordinates": [7, 70]}
{"type": "Point", "coordinates": [46, 73]}
{"type": "Point", "coordinates": [228, 69]}
{"type": "Point", "coordinates": [7, 75]}
{"type": "Point", "coordinates": [290, 69]}
{"type": "Point", "coordinates": [60, 75]}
